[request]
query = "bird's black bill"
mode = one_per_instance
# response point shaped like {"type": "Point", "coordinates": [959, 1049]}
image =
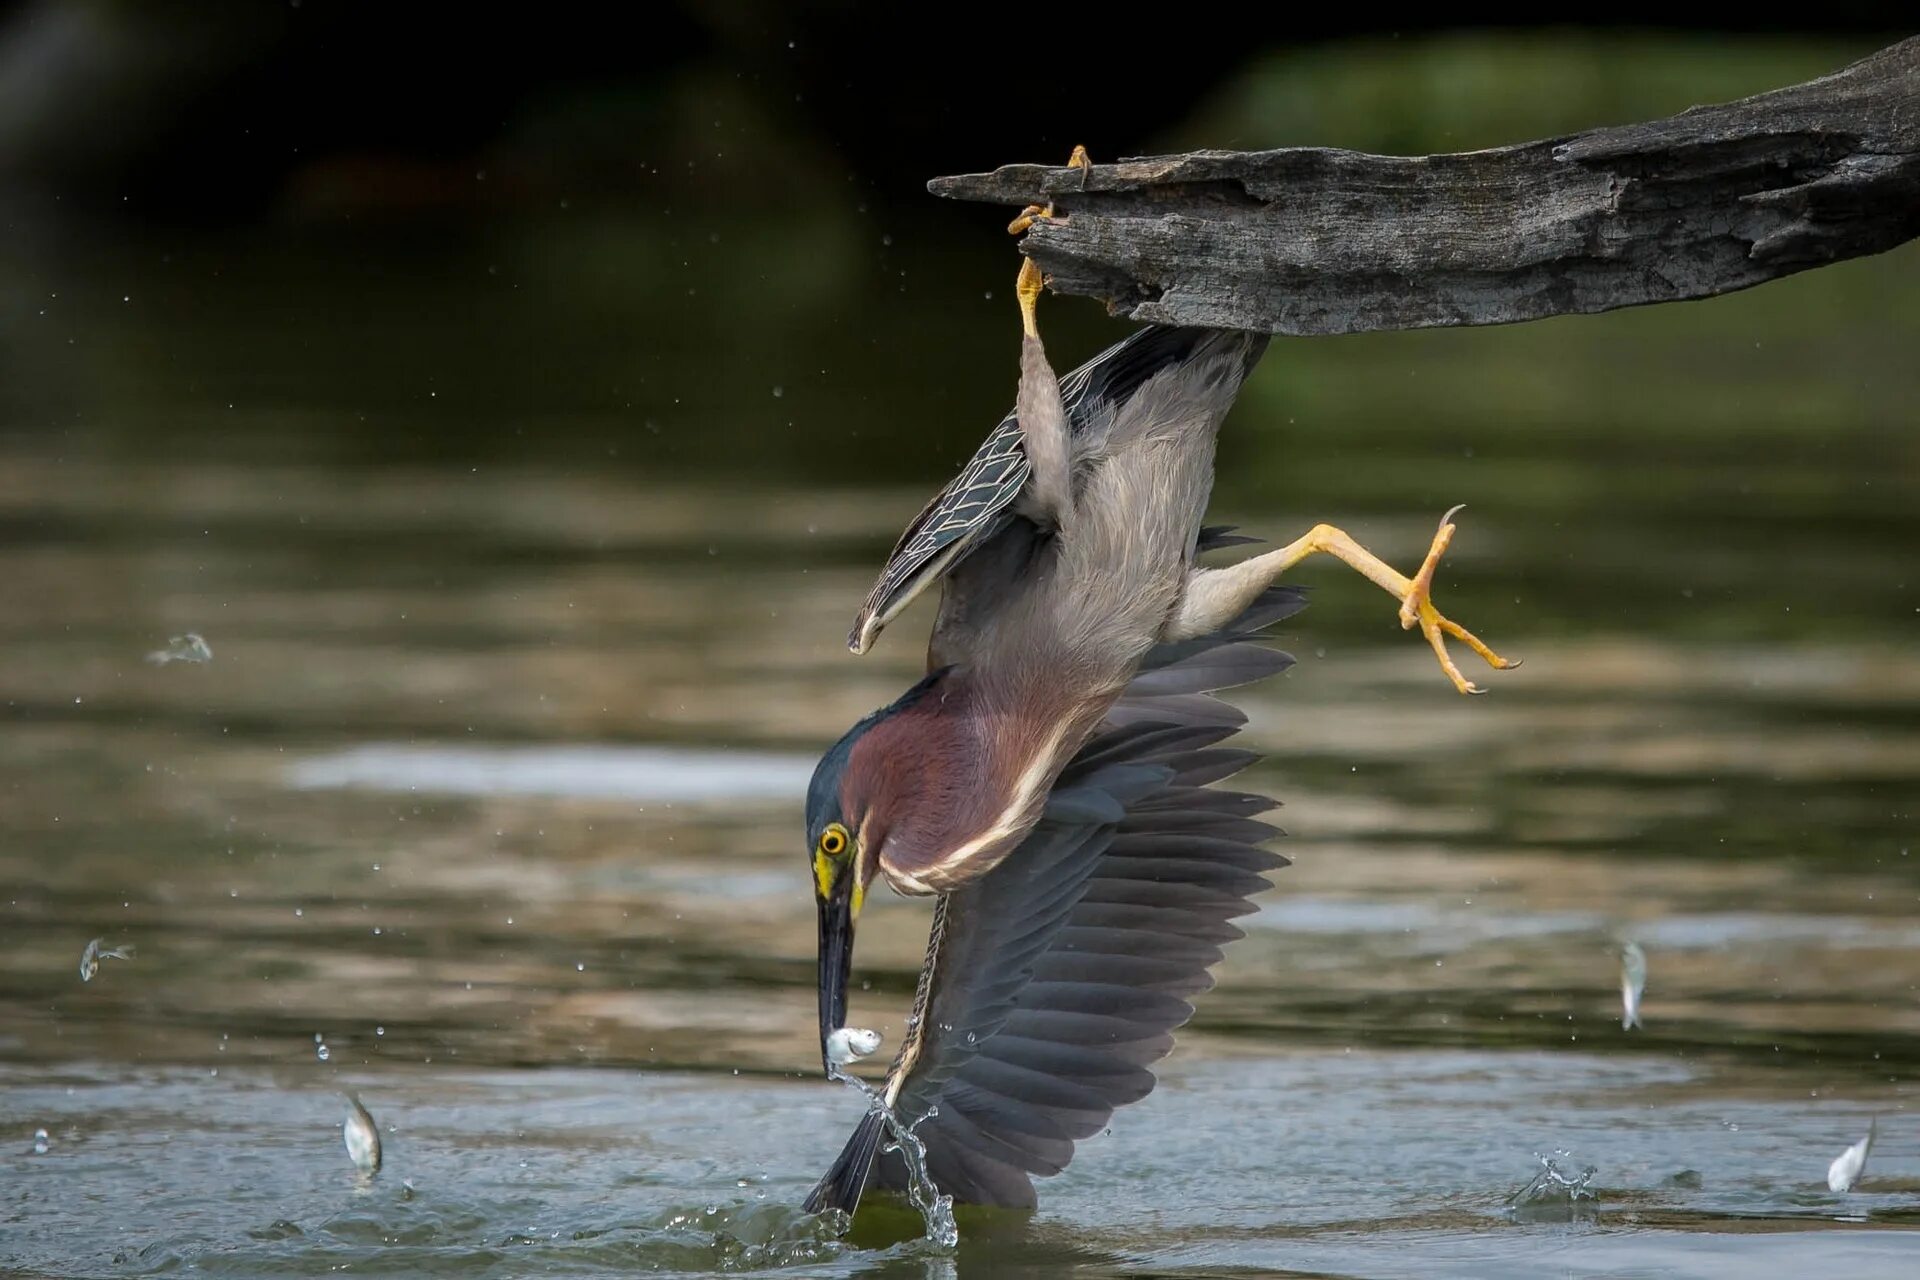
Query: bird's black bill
{"type": "Point", "coordinates": [836, 960]}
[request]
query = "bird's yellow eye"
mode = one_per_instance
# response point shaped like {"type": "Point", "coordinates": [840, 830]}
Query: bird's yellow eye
{"type": "Point", "coordinates": [833, 841]}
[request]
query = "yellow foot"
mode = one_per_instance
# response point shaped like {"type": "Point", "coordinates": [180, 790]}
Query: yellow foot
{"type": "Point", "coordinates": [1028, 287]}
{"type": "Point", "coordinates": [1078, 160]}
{"type": "Point", "coordinates": [1416, 607]}
{"type": "Point", "coordinates": [1415, 594]}
{"type": "Point", "coordinates": [1027, 215]}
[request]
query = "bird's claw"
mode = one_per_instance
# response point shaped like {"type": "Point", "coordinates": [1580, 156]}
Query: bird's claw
{"type": "Point", "coordinates": [1028, 287]}
{"type": "Point", "coordinates": [1027, 216]}
{"type": "Point", "coordinates": [1083, 162]}
{"type": "Point", "coordinates": [1416, 608]}
{"type": "Point", "coordinates": [1078, 160]}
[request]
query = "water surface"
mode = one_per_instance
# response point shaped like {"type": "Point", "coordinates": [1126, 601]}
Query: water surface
{"type": "Point", "coordinates": [526, 598]}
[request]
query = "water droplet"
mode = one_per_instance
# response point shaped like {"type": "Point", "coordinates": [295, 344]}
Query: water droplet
{"type": "Point", "coordinates": [41, 1145]}
{"type": "Point", "coordinates": [323, 1053]}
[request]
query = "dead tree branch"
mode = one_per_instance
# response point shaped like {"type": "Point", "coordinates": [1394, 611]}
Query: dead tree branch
{"type": "Point", "coordinates": [1309, 240]}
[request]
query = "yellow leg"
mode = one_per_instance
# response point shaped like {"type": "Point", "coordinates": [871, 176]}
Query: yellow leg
{"type": "Point", "coordinates": [1027, 287]}
{"type": "Point", "coordinates": [1414, 594]}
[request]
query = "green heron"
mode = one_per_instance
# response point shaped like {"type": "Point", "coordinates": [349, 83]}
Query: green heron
{"type": "Point", "coordinates": [1049, 779]}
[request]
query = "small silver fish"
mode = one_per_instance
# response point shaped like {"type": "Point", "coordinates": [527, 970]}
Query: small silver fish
{"type": "Point", "coordinates": [187, 648]}
{"type": "Point", "coordinates": [850, 1044]}
{"type": "Point", "coordinates": [362, 1136]}
{"type": "Point", "coordinates": [1633, 982]}
{"type": "Point", "coordinates": [90, 958]}
{"type": "Point", "coordinates": [1844, 1172]}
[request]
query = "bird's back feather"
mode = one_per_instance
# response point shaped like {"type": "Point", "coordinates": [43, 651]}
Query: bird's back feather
{"type": "Point", "coordinates": [977, 503]}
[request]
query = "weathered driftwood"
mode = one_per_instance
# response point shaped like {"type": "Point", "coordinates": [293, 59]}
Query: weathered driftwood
{"type": "Point", "coordinates": [1316, 240]}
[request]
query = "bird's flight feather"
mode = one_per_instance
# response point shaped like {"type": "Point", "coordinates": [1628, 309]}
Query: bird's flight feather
{"type": "Point", "coordinates": [1056, 980]}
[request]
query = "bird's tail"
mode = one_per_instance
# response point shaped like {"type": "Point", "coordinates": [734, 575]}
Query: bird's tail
{"type": "Point", "coordinates": [842, 1186]}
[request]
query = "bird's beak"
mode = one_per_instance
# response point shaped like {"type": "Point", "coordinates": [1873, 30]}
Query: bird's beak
{"type": "Point", "coordinates": [838, 908]}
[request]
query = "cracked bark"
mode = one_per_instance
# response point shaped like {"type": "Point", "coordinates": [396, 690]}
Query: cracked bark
{"type": "Point", "coordinates": [1314, 240]}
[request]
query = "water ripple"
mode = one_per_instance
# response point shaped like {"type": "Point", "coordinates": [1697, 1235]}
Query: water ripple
{"type": "Point", "coordinates": [640, 774]}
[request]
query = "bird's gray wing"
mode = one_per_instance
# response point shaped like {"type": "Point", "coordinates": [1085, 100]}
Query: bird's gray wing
{"type": "Point", "coordinates": [1054, 982]}
{"type": "Point", "coordinates": [977, 502]}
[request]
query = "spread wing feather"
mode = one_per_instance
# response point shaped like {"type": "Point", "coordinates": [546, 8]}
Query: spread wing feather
{"type": "Point", "coordinates": [1057, 980]}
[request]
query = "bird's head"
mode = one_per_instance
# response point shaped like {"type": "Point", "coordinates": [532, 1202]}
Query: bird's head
{"type": "Point", "coordinates": [856, 787]}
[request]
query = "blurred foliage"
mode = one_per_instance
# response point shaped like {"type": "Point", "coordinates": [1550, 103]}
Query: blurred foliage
{"type": "Point", "coordinates": [1468, 90]}
{"type": "Point", "coordinates": [731, 304]}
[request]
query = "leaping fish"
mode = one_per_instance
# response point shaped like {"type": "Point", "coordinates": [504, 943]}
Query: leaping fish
{"type": "Point", "coordinates": [1633, 982]}
{"type": "Point", "coordinates": [90, 958]}
{"type": "Point", "coordinates": [850, 1044]}
{"type": "Point", "coordinates": [362, 1136]}
{"type": "Point", "coordinates": [1844, 1172]}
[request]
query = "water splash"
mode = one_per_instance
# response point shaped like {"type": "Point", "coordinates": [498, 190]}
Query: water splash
{"type": "Point", "coordinates": [187, 648]}
{"type": "Point", "coordinates": [725, 1237]}
{"type": "Point", "coordinates": [936, 1210]}
{"type": "Point", "coordinates": [1560, 1192]}
{"type": "Point", "coordinates": [41, 1143]}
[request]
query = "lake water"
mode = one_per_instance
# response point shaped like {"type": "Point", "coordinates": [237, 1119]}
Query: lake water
{"type": "Point", "coordinates": [525, 573]}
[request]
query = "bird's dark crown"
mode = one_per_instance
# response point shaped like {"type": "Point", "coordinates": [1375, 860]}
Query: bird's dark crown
{"type": "Point", "coordinates": [824, 792]}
